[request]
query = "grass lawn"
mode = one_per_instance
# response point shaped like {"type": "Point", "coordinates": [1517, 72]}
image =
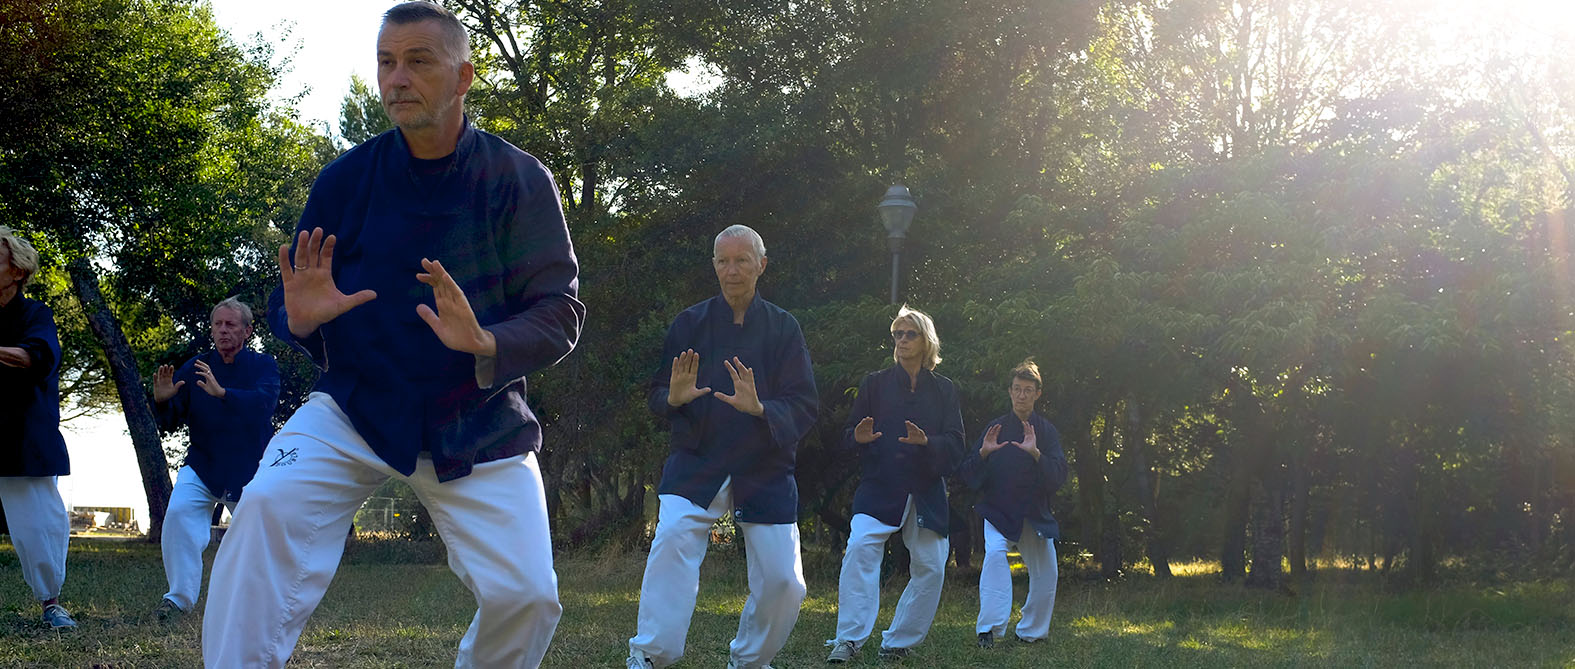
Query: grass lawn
{"type": "Point", "coordinates": [381, 614]}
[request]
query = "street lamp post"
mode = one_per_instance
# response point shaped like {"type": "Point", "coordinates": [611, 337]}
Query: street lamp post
{"type": "Point", "coordinates": [896, 214]}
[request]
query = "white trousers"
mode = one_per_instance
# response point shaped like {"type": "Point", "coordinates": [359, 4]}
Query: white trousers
{"type": "Point", "coordinates": [858, 590]}
{"type": "Point", "coordinates": [40, 531]}
{"type": "Point", "coordinates": [187, 530]}
{"type": "Point", "coordinates": [995, 584]}
{"type": "Point", "coordinates": [288, 533]}
{"type": "Point", "coordinates": [672, 582]}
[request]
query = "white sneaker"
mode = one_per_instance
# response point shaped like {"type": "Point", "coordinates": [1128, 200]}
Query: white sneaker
{"type": "Point", "coordinates": [640, 662]}
{"type": "Point", "coordinates": [734, 665]}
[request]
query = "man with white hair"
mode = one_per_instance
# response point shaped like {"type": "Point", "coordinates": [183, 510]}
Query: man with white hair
{"type": "Point", "coordinates": [226, 397]}
{"type": "Point", "coordinates": [459, 279]}
{"type": "Point", "coordinates": [32, 452]}
{"type": "Point", "coordinates": [738, 392]}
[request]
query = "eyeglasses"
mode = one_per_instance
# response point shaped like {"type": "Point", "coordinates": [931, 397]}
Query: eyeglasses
{"type": "Point", "coordinates": [1022, 391]}
{"type": "Point", "coordinates": [900, 335]}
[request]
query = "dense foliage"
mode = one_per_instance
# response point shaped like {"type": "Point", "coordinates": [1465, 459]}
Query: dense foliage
{"type": "Point", "coordinates": [1297, 271]}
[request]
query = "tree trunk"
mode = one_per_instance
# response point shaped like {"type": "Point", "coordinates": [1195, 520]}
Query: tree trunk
{"type": "Point", "coordinates": [134, 402]}
{"type": "Point", "coordinates": [1238, 497]}
{"type": "Point", "coordinates": [1268, 536]}
{"type": "Point", "coordinates": [1090, 489]}
{"type": "Point", "coordinates": [1136, 441]}
{"type": "Point", "coordinates": [1296, 544]}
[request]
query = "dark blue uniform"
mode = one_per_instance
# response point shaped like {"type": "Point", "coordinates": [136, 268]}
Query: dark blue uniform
{"type": "Point", "coordinates": [30, 440]}
{"type": "Point", "coordinates": [1012, 486]}
{"type": "Point", "coordinates": [893, 470]}
{"type": "Point", "coordinates": [228, 435]}
{"type": "Point", "coordinates": [710, 439]}
{"type": "Point", "coordinates": [491, 214]}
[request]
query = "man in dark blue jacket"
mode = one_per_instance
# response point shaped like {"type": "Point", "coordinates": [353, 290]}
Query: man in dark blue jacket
{"type": "Point", "coordinates": [32, 452]}
{"type": "Point", "coordinates": [739, 394]}
{"type": "Point", "coordinates": [1017, 468]}
{"type": "Point", "coordinates": [906, 426]}
{"type": "Point", "coordinates": [226, 397]}
{"type": "Point", "coordinates": [432, 272]}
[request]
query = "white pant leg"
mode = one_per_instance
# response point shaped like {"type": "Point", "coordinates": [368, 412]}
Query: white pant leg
{"type": "Point", "coordinates": [40, 531]}
{"type": "Point", "coordinates": [187, 523]}
{"type": "Point", "coordinates": [286, 537]}
{"type": "Point", "coordinates": [995, 583]}
{"type": "Point", "coordinates": [494, 522]}
{"type": "Point", "coordinates": [1039, 556]}
{"type": "Point", "coordinates": [672, 575]}
{"type": "Point", "coordinates": [776, 591]}
{"type": "Point", "coordinates": [858, 586]}
{"type": "Point", "coordinates": [927, 551]}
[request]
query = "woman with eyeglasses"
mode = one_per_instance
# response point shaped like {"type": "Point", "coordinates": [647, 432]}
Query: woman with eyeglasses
{"type": "Point", "coordinates": [1017, 467]}
{"type": "Point", "coordinates": [906, 426]}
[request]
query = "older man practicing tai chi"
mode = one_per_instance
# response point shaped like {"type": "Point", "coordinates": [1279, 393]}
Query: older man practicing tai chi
{"type": "Point", "coordinates": [432, 271]}
{"type": "Point", "coordinates": [227, 397]}
{"type": "Point", "coordinates": [737, 388]}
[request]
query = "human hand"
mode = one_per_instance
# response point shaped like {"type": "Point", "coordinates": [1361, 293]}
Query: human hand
{"type": "Point", "coordinates": [864, 432]}
{"type": "Point", "coordinates": [453, 322]}
{"type": "Point", "coordinates": [915, 436]}
{"type": "Point", "coordinates": [744, 397]}
{"type": "Point", "coordinates": [681, 379]}
{"type": "Point", "coordinates": [164, 386]}
{"type": "Point", "coordinates": [1030, 443]}
{"type": "Point", "coordinates": [205, 380]}
{"type": "Point", "coordinates": [310, 296]}
{"type": "Point", "coordinates": [990, 444]}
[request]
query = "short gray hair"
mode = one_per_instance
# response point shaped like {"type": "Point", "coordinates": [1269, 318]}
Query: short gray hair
{"type": "Point", "coordinates": [232, 303]}
{"type": "Point", "coordinates": [455, 40]}
{"type": "Point", "coordinates": [756, 244]}
{"type": "Point", "coordinates": [23, 256]}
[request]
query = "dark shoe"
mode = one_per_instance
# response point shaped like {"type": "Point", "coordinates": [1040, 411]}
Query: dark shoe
{"type": "Point", "coordinates": [1028, 640]}
{"type": "Point", "coordinates": [58, 618]}
{"type": "Point", "coordinates": [167, 611]}
{"type": "Point", "coordinates": [894, 653]}
{"type": "Point", "coordinates": [986, 640]}
{"type": "Point", "coordinates": [842, 651]}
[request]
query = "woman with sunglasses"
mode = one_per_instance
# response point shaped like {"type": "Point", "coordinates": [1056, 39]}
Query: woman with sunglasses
{"type": "Point", "coordinates": [906, 425]}
{"type": "Point", "coordinates": [1017, 467]}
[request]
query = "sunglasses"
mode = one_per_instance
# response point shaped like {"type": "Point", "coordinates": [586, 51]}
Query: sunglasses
{"type": "Point", "coordinates": [900, 335]}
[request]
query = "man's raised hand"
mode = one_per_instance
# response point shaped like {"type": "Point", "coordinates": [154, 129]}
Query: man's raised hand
{"type": "Point", "coordinates": [164, 385]}
{"type": "Point", "coordinates": [744, 397]}
{"type": "Point", "coordinates": [864, 432]}
{"type": "Point", "coordinates": [453, 322]}
{"type": "Point", "coordinates": [310, 296]}
{"type": "Point", "coordinates": [205, 380]}
{"type": "Point", "coordinates": [681, 380]}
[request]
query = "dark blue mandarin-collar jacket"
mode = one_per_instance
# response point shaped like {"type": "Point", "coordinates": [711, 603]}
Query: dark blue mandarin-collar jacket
{"type": "Point", "coordinates": [491, 214]}
{"type": "Point", "coordinates": [1013, 487]}
{"type": "Point", "coordinates": [228, 435]}
{"type": "Point", "coordinates": [30, 441]}
{"type": "Point", "coordinates": [893, 470]}
{"type": "Point", "coordinates": [711, 440]}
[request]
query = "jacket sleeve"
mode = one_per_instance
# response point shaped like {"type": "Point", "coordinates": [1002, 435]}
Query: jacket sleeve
{"type": "Point", "coordinates": [791, 410]}
{"type": "Point", "coordinates": [172, 414]}
{"type": "Point", "coordinates": [259, 397]}
{"type": "Point", "coordinates": [971, 472]}
{"type": "Point", "coordinates": [314, 215]}
{"type": "Point", "coordinates": [542, 280]}
{"type": "Point", "coordinates": [681, 419]}
{"type": "Point", "coordinates": [1052, 459]}
{"type": "Point", "coordinates": [41, 342]}
{"type": "Point", "coordinates": [859, 411]}
{"type": "Point", "coordinates": [946, 447]}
